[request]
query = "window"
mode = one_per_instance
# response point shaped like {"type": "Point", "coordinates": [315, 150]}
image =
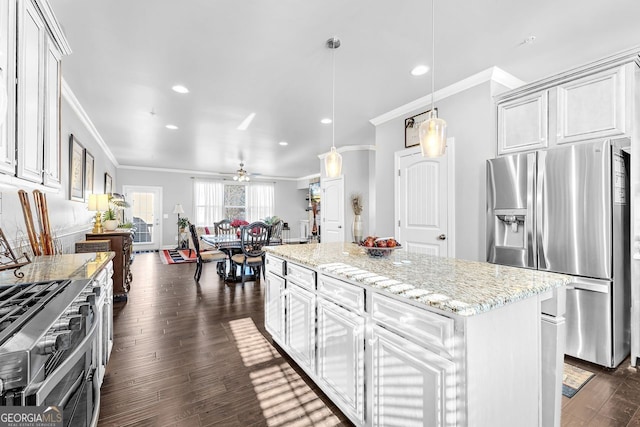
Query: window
{"type": "Point", "coordinates": [217, 200]}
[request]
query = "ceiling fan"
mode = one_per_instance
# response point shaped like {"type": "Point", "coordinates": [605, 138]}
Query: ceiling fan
{"type": "Point", "coordinates": [241, 174]}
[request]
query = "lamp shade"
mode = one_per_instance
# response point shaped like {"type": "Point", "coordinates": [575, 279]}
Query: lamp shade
{"type": "Point", "coordinates": [98, 202]}
{"type": "Point", "coordinates": [177, 209]}
{"type": "Point", "coordinates": [433, 136]}
{"type": "Point", "coordinates": [333, 163]}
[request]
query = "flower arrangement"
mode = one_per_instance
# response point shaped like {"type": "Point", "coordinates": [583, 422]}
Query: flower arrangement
{"type": "Point", "coordinates": [356, 203]}
{"type": "Point", "coordinates": [238, 222]}
{"type": "Point", "coordinates": [270, 220]}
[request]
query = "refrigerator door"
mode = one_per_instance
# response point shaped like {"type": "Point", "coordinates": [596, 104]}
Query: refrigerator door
{"type": "Point", "coordinates": [511, 210]}
{"type": "Point", "coordinates": [574, 213]}
{"type": "Point", "coordinates": [589, 321]}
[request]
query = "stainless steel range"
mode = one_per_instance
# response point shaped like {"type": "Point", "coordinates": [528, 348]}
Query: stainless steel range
{"type": "Point", "coordinates": [50, 345]}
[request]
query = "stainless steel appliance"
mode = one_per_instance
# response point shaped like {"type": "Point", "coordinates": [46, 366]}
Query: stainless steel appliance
{"type": "Point", "coordinates": [566, 210]}
{"type": "Point", "coordinates": [50, 347]}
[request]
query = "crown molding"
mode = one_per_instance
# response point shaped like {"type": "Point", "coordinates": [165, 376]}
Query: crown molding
{"type": "Point", "coordinates": [70, 97]}
{"type": "Point", "coordinates": [193, 172]}
{"type": "Point", "coordinates": [490, 74]}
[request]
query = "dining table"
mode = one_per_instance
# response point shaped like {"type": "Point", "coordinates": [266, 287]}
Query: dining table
{"type": "Point", "coordinates": [230, 244]}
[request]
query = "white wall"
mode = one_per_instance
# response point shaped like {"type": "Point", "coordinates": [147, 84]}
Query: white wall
{"type": "Point", "coordinates": [177, 187]}
{"type": "Point", "coordinates": [471, 121]}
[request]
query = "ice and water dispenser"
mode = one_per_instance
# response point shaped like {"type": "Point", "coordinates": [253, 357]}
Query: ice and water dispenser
{"type": "Point", "coordinates": [509, 210]}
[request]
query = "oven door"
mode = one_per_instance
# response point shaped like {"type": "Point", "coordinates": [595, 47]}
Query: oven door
{"type": "Point", "coordinates": [70, 386]}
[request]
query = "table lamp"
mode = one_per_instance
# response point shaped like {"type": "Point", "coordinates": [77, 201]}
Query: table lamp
{"type": "Point", "coordinates": [98, 203]}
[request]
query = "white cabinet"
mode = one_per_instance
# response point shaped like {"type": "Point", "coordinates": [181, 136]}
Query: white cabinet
{"type": "Point", "coordinates": [52, 171]}
{"type": "Point", "coordinates": [31, 48]}
{"type": "Point", "coordinates": [592, 106]}
{"type": "Point", "coordinates": [523, 123]}
{"type": "Point", "coordinates": [411, 385]}
{"type": "Point", "coordinates": [274, 306]}
{"type": "Point", "coordinates": [589, 102]}
{"type": "Point", "coordinates": [7, 80]}
{"type": "Point", "coordinates": [301, 325]}
{"type": "Point", "coordinates": [341, 357]}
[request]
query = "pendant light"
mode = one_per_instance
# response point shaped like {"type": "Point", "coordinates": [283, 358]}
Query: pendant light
{"type": "Point", "coordinates": [433, 132]}
{"type": "Point", "coordinates": [333, 160]}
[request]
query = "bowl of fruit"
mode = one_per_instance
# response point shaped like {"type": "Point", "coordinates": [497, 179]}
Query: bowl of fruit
{"type": "Point", "coordinates": [377, 247]}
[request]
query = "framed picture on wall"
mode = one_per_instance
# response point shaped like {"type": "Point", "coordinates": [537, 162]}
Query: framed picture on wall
{"type": "Point", "coordinates": [411, 127]}
{"type": "Point", "coordinates": [108, 183]}
{"type": "Point", "coordinates": [76, 170]}
{"type": "Point", "coordinates": [89, 163]}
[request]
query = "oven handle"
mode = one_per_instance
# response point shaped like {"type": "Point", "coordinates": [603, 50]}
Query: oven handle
{"type": "Point", "coordinates": [96, 408]}
{"type": "Point", "coordinates": [56, 376]}
{"type": "Point", "coordinates": [76, 385]}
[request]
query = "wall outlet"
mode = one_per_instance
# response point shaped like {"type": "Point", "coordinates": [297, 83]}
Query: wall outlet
{"type": "Point", "coordinates": [165, 216]}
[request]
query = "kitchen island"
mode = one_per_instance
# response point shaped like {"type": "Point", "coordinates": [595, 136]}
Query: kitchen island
{"type": "Point", "coordinates": [412, 339]}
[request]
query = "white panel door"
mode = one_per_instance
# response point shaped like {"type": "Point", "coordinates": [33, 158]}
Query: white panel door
{"type": "Point", "coordinates": [274, 307]}
{"type": "Point", "coordinates": [145, 213]}
{"type": "Point", "coordinates": [422, 203]}
{"type": "Point", "coordinates": [411, 385]}
{"type": "Point", "coordinates": [301, 325]}
{"type": "Point", "coordinates": [341, 356]}
{"type": "Point", "coordinates": [332, 209]}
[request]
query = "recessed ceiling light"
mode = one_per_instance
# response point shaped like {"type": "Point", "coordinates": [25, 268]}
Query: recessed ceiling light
{"type": "Point", "coordinates": [180, 89]}
{"type": "Point", "coordinates": [325, 121]}
{"type": "Point", "coordinates": [419, 70]}
{"type": "Point", "coordinates": [283, 143]}
{"type": "Point", "coordinates": [246, 122]}
{"type": "Point", "coordinates": [172, 127]}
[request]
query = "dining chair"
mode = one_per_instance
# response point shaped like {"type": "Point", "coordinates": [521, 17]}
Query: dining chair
{"type": "Point", "coordinates": [276, 233]}
{"type": "Point", "coordinates": [253, 238]}
{"type": "Point", "coordinates": [218, 257]}
{"type": "Point", "coordinates": [223, 227]}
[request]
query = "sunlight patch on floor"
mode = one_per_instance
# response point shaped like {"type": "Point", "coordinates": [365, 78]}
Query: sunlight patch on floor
{"type": "Point", "coordinates": [252, 345]}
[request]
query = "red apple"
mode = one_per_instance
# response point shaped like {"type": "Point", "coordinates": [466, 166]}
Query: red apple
{"type": "Point", "coordinates": [368, 243]}
{"type": "Point", "coordinates": [392, 243]}
{"type": "Point", "coordinates": [381, 243]}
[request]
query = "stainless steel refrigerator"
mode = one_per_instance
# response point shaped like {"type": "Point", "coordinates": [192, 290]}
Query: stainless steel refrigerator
{"type": "Point", "coordinates": [566, 210]}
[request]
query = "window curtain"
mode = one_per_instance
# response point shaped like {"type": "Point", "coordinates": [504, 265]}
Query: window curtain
{"type": "Point", "coordinates": [260, 201]}
{"type": "Point", "coordinates": [208, 199]}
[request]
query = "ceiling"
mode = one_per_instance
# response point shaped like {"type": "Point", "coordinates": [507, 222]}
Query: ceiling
{"type": "Point", "coordinates": [269, 57]}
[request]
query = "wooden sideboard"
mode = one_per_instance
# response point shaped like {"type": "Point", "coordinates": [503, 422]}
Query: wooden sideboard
{"type": "Point", "coordinates": [121, 244]}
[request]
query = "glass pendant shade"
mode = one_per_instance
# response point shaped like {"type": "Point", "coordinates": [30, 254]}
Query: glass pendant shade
{"type": "Point", "coordinates": [333, 163]}
{"type": "Point", "coordinates": [433, 136]}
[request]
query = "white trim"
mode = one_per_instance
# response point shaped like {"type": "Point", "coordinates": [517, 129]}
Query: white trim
{"type": "Point", "coordinates": [159, 229]}
{"type": "Point", "coordinates": [205, 173]}
{"type": "Point", "coordinates": [347, 148]}
{"type": "Point", "coordinates": [451, 189]}
{"type": "Point", "coordinates": [490, 74]}
{"type": "Point", "coordinates": [54, 26]}
{"type": "Point", "coordinates": [70, 97]}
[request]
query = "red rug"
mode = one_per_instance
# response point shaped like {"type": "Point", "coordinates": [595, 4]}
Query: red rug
{"type": "Point", "coordinates": [174, 256]}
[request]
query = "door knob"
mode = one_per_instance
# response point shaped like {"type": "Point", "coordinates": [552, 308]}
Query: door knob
{"type": "Point", "coordinates": [339, 226]}
{"type": "Point", "coordinates": [442, 237]}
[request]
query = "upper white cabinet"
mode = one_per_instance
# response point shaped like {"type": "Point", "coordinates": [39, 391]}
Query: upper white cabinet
{"type": "Point", "coordinates": [523, 123]}
{"type": "Point", "coordinates": [591, 107]}
{"type": "Point", "coordinates": [38, 46]}
{"type": "Point", "coordinates": [594, 101]}
{"type": "Point", "coordinates": [8, 78]}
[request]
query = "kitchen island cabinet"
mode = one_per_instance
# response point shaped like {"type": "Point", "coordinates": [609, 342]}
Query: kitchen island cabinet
{"type": "Point", "coordinates": [419, 340]}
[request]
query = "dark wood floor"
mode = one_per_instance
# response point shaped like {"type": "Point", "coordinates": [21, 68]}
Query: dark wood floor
{"type": "Point", "coordinates": [196, 355]}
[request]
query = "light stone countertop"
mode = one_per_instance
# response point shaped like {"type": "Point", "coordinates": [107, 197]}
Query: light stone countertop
{"type": "Point", "coordinates": [462, 287]}
{"type": "Point", "coordinates": [59, 267]}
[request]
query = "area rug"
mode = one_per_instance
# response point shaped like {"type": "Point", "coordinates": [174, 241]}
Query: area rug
{"type": "Point", "coordinates": [574, 379]}
{"type": "Point", "coordinates": [174, 256]}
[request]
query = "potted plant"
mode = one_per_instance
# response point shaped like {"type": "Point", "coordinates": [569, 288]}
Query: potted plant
{"type": "Point", "coordinates": [109, 219]}
{"type": "Point", "coordinates": [183, 222]}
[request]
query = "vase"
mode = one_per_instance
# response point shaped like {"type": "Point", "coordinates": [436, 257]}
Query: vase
{"type": "Point", "coordinates": [110, 224]}
{"type": "Point", "coordinates": [357, 229]}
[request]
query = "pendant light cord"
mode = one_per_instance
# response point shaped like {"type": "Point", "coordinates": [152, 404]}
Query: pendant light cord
{"type": "Point", "coordinates": [333, 94]}
{"type": "Point", "coordinates": [433, 55]}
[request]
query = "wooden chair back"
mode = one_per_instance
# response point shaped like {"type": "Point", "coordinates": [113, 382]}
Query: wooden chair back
{"type": "Point", "coordinates": [253, 237]}
{"type": "Point", "coordinates": [224, 227]}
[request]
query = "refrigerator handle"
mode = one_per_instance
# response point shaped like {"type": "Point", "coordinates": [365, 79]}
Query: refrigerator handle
{"type": "Point", "coordinates": [532, 247]}
{"type": "Point", "coordinates": [539, 207]}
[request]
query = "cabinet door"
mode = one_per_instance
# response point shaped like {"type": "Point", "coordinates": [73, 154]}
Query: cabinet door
{"type": "Point", "coordinates": [274, 307]}
{"type": "Point", "coordinates": [301, 325]}
{"type": "Point", "coordinates": [52, 176]}
{"type": "Point", "coordinates": [7, 82]}
{"type": "Point", "coordinates": [341, 356]}
{"type": "Point", "coordinates": [592, 107]}
{"type": "Point", "coordinates": [523, 123]}
{"type": "Point", "coordinates": [31, 38]}
{"type": "Point", "coordinates": [412, 386]}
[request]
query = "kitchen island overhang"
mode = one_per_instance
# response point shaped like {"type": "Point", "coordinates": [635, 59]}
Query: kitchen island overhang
{"type": "Point", "coordinates": [477, 330]}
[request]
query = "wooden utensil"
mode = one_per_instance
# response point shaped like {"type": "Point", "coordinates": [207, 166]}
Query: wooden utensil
{"type": "Point", "coordinates": [28, 219]}
{"type": "Point", "coordinates": [43, 220]}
